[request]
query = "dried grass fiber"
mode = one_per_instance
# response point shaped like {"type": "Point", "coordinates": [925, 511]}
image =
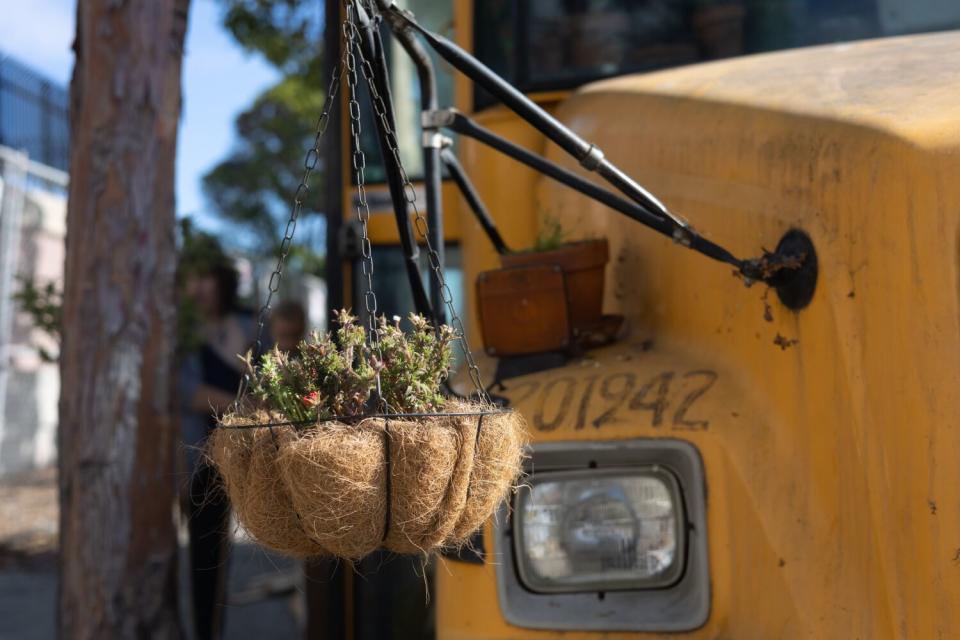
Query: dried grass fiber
{"type": "Point", "coordinates": [323, 490]}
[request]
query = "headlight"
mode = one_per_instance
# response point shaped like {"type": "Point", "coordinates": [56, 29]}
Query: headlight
{"type": "Point", "coordinates": [600, 530]}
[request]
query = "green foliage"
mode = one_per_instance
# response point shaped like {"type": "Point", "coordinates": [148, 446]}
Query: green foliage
{"type": "Point", "coordinates": [253, 186]}
{"type": "Point", "coordinates": [551, 235]}
{"type": "Point", "coordinates": [44, 304]}
{"type": "Point", "coordinates": [307, 261]}
{"type": "Point", "coordinates": [414, 363]}
{"type": "Point", "coordinates": [285, 32]}
{"type": "Point", "coordinates": [199, 252]}
{"type": "Point", "coordinates": [334, 374]}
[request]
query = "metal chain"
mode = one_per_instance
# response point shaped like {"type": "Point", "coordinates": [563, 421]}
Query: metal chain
{"type": "Point", "coordinates": [348, 65]}
{"type": "Point", "coordinates": [420, 221]}
{"type": "Point", "coordinates": [359, 163]}
{"type": "Point", "coordinates": [309, 165]}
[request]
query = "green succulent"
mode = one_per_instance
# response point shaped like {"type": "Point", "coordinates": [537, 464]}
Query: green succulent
{"type": "Point", "coordinates": [551, 236]}
{"type": "Point", "coordinates": [334, 374]}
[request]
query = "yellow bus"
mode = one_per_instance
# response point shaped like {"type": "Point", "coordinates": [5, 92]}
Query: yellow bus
{"type": "Point", "coordinates": [739, 462]}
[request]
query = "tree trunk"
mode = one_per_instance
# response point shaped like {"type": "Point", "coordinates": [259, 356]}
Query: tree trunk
{"type": "Point", "coordinates": [117, 427]}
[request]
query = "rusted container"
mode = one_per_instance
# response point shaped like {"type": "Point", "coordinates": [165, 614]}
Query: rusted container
{"type": "Point", "coordinates": [583, 264]}
{"type": "Point", "coordinates": [523, 310]}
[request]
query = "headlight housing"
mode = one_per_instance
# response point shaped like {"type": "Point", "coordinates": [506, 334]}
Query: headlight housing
{"type": "Point", "coordinates": [600, 530]}
{"type": "Point", "coordinates": [656, 607]}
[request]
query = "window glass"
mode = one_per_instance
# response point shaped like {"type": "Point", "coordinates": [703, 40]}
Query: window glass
{"type": "Point", "coordinates": [33, 115]}
{"type": "Point", "coordinates": [390, 280]}
{"type": "Point", "coordinates": [436, 15]}
{"type": "Point", "coordinates": [556, 44]}
{"type": "Point", "coordinates": [571, 40]}
{"type": "Point", "coordinates": [495, 41]}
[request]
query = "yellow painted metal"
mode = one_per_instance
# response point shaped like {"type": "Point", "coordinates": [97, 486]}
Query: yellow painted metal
{"type": "Point", "coordinates": [830, 437]}
{"type": "Point", "coordinates": [508, 189]}
{"type": "Point", "coordinates": [383, 225]}
{"type": "Point", "coordinates": [463, 35]}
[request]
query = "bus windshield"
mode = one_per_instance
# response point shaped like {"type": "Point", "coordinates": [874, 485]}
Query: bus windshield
{"type": "Point", "coordinates": [560, 44]}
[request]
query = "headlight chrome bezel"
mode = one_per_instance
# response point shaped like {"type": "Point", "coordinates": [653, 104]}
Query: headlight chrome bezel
{"type": "Point", "coordinates": [658, 581]}
{"type": "Point", "coordinates": [681, 606]}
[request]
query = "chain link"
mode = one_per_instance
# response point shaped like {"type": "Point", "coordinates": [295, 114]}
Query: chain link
{"type": "Point", "coordinates": [348, 65]}
{"type": "Point", "coordinates": [420, 221]}
{"type": "Point", "coordinates": [310, 162]}
{"type": "Point", "coordinates": [359, 163]}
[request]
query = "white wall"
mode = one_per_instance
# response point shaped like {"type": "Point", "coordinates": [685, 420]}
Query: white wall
{"type": "Point", "coordinates": [31, 386]}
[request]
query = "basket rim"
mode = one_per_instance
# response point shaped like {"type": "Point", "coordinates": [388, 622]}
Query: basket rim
{"type": "Point", "coordinates": [360, 417]}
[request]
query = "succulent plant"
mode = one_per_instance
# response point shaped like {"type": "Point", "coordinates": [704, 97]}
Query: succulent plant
{"type": "Point", "coordinates": [333, 374]}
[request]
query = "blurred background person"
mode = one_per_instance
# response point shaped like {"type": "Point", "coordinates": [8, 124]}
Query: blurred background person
{"type": "Point", "coordinates": [288, 325]}
{"type": "Point", "coordinates": [212, 332]}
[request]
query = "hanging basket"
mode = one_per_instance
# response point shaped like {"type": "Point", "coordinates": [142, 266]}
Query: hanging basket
{"type": "Point", "coordinates": [407, 483]}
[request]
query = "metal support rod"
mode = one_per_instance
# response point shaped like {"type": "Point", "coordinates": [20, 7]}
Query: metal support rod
{"type": "Point", "coordinates": [432, 182]}
{"type": "Point", "coordinates": [470, 194]}
{"type": "Point", "coordinates": [431, 155]}
{"type": "Point", "coordinates": [372, 50]}
{"type": "Point", "coordinates": [463, 125]}
{"type": "Point", "coordinates": [587, 154]}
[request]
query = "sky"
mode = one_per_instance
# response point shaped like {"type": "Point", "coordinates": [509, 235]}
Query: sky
{"type": "Point", "coordinates": [219, 80]}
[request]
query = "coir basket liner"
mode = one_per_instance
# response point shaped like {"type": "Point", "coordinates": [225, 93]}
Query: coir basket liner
{"type": "Point", "coordinates": [409, 485]}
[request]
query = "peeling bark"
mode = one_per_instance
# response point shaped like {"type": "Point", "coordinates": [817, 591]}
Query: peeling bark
{"type": "Point", "coordinates": [117, 426]}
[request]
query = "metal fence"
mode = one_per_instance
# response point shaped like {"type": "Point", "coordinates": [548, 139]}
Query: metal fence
{"type": "Point", "coordinates": [33, 114]}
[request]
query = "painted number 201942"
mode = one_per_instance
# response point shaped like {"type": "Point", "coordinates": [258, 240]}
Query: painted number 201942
{"type": "Point", "coordinates": [668, 398]}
